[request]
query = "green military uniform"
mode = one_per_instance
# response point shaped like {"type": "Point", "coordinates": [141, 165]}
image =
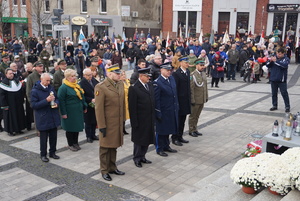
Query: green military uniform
{"type": "Point", "coordinates": [44, 56]}
{"type": "Point", "coordinates": [31, 80]}
{"type": "Point", "coordinates": [57, 79]}
{"type": "Point", "coordinates": [199, 96]}
{"type": "Point", "coordinates": [3, 66]}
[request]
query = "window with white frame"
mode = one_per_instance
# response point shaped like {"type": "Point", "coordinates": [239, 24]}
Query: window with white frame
{"type": "Point", "coordinates": [103, 8]}
{"type": "Point", "coordinates": [47, 5]}
{"type": "Point", "coordinates": [84, 6]}
{"type": "Point", "coordinates": [23, 2]}
{"type": "Point", "coordinates": [15, 2]}
{"type": "Point", "coordinates": [61, 4]}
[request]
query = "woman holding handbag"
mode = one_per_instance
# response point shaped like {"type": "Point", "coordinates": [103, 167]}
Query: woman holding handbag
{"type": "Point", "coordinates": [217, 69]}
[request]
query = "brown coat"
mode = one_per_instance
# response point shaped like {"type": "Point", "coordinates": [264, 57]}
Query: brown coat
{"type": "Point", "coordinates": [199, 92]}
{"type": "Point", "coordinates": [110, 112]}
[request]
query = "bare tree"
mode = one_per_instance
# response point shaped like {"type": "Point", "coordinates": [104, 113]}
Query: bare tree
{"type": "Point", "coordinates": [38, 13]}
{"type": "Point", "coordinates": [4, 12]}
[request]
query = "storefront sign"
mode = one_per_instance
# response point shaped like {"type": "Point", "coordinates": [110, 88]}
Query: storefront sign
{"type": "Point", "coordinates": [61, 27]}
{"type": "Point", "coordinates": [187, 5]}
{"type": "Point", "coordinates": [101, 22]}
{"type": "Point", "coordinates": [14, 20]}
{"type": "Point", "coordinates": [79, 20]}
{"type": "Point", "coordinates": [283, 8]}
{"type": "Point", "coordinates": [126, 11]}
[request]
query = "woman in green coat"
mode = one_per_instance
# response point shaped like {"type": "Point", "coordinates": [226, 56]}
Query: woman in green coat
{"type": "Point", "coordinates": [72, 106]}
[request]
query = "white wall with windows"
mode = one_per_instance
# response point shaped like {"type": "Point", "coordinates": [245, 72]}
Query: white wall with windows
{"type": "Point", "coordinates": [234, 14]}
{"type": "Point", "coordinates": [187, 17]}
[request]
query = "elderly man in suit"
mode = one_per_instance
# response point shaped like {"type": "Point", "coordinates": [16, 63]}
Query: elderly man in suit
{"type": "Point", "coordinates": [199, 95]}
{"type": "Point", "coordinates": [110, 114]}
{"type": "Point", "coordinates": [88, 84]}
{"type": "Point", "coordinates": [182, 79]}
{"type": "Point", "coordinates": [142, 116]}
{"type": "Point", "coordinates": [166, 109]}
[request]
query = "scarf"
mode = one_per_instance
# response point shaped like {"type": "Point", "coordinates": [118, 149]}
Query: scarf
{"type": "Point", "coordinates": [75, 86]}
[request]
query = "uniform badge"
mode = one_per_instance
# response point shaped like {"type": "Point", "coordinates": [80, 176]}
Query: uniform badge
{"type": "Point", "coordinates": [97, 93]}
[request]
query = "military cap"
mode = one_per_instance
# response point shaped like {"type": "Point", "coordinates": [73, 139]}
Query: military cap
{"type": "Point", "coordinates": [94, 59]}
{"type": "Point", "coordinates": [145, 71]}
{"type": "Point", "coordinates": [5, 56]}
{"type": "Point", "coordinates": [114, 68]}
{"type": "Point", "coordinates": [199, 61]}
{"type": "Point", "coordinates": [38, 63]}
{"type": "Point", "coordinates": [183, 58]}
{"type": "Point", "coordinates": [61, 62]}
{"type": "Point", "coordinates": [166, 66]}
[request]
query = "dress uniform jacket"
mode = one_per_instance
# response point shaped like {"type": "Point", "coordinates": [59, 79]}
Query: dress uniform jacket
{"type": "Point", "coordinates": [88, 89]}
{"type": "Point", "coordinates": [183, 90]}
{"type": "Point", "coordinates": [110, 112]}
{"type": "Point", "coordinates": [142, 113]}
{"type": "Point", "coordinates": [199, 92]}
{"type": "Point", "coordinates": [166, 105]}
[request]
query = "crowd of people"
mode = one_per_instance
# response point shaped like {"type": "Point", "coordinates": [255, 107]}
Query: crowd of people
{"type": "Point", "coordinates": [88, 88]}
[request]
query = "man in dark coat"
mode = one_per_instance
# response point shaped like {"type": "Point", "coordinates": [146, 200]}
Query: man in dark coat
{"type": "Point", "coordinates": [88, 84]}
{"type": "Point", "coordinates": [142, 116]}
{"type": "Point", "coordinates": [59, 74]}
{"type": "Point", "coordinates": [11, 102]}
{"type": "Point", "coordinates": [155, 66]}
{"type": "Point", "coordinates": [135, 75]}
{"type": "Point", "coordinates": [166, 109]}
{"type": "Point", "coordinates": [44, 102]}
{"type": "Point", "coordinates": [182, 79]}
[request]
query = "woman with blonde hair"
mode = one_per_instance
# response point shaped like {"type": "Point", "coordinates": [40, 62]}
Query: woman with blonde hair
{"type": "Point", "coordinates": [72, 105]}
{"type": "Point", "coordinates": [126, 87]}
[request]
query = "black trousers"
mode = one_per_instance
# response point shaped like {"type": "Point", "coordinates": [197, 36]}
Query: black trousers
{"type": "Point", "coordinates": [215, 80]}
{"type": "Point", "coordinates": [162, 142]}
{"type": "Point", "coordinates": [44, 135]}
{"type": "Point", "coordinates": [72, 138]}
{"type": "Point", "coordinates": [181, 122]}
{"type": "Point", "coordinates": [90, 130]}
{"type": "Point", "coordinates": [284, 93]}
{"type": "Point", "coordinates": [139, 152]}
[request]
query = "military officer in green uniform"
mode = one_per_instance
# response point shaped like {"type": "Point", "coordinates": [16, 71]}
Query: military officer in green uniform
{"type": "Point", "coordinates": [45, 56]}
{"type": "Point", "coordinates": [199, 95]}
{"type": "Point", "coordinates": [4, 64]}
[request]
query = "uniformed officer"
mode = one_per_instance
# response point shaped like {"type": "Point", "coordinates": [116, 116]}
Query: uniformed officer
{"type": "Point", "coordinates": [199, 96]}
{"type": "Point", "coordinates": [142, 116]}
{"type": "Point", "coordinates": [4, 64]}
{"type": "Point", "coordinates": [110, 114]}
{"type": "Point", "coordinates": [166, 109]}
{"type": "Point", "coordinates": [182, 79]}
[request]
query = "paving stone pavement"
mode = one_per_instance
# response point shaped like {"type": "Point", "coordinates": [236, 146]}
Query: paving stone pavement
{"type": "Point", "coordinates": [234, 112]}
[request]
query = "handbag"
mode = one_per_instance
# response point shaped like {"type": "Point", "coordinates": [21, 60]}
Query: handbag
{"type": "Point", "coordinates": [220, 69]}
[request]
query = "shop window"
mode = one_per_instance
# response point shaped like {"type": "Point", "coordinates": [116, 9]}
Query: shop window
{"type": "Point", "coordinates": [47, 29]}
{"type": "Point", "coordinates": [47, 5]}
{"type": "Point", "coordinates": [83, 6]}
{"type": "Point", "coordinates": [192, 23]}
{"type": "Point", "coordinates": [182, 22]}
{"type": "Point", "coordinates": [103, 7]}
{"type": "Point", "coordinates": [278, 22]}
{"type": "Point", "coordinates": [291, 24]}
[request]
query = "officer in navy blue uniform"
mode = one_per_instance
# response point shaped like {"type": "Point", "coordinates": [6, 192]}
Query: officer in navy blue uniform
{"type": "Point", "coordinates": [166, 109]}
{"type": "Point", "coordinates": [182, 79]}
{"type": "Point", "coordinates": [278, 77]}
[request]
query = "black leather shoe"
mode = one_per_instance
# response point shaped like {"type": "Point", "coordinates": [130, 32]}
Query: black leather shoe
{"type": "Point", "coordinates": [11, 134]}
{"type": "Point", "coordinates": [200, 134]}
{"type": "Point", "coordinates": [45, 159]}
{"type": "Point", "coordinates": [89, 140]}
{"type": "Point", "coordinates": [138, 164]}
{"type": "Point", "coordinates": [161, 153]}
{"type": "Point", "coordinates": [146, 161]}
{"type": "Point", "coordinates": [106, 177]}
{"type": "Point", "coordinates": [176, 142]}
{"type": "Point", "coordinates": [1, 129]}
{"type": "Point", "coordinates": [287, 110]}
{"type": "Point", "coordinates": [183, 140]}
{"type": "Point", "coordinates": [193, 134]}
{"type": "Point", "coordinates": [273, 108]}
{"type": "Point", "coordinates": [95, 138]}
{"type": "Point", "coordinates": [117, 172]}
{"type": "Point", "coordinates": [20, 132]}
{"type": "Point", "coordinates": [169, 149]}
{"type": "Point", "coordinates": [54, 156]}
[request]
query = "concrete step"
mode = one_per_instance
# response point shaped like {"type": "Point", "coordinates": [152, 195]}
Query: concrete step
{"type": "Point", "coordinates": [294, 195]}
{"type": "Point", "coordinates": [265, 195]}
